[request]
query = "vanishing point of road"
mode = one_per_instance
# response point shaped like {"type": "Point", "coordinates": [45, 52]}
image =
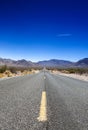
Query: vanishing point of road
{"type": "Point", "coordinates": [43, 101]}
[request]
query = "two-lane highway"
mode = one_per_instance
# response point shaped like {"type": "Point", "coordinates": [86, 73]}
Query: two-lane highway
{"type": "Point", "coordinates": [67, 103]}
{"type": "Point", "coordinates": [20, 102]}
{"type": "Point", "coordinates": [43, 101]}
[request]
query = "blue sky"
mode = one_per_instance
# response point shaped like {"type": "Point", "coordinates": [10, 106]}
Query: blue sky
{"type": "Point", "coordinates": [44, 29]}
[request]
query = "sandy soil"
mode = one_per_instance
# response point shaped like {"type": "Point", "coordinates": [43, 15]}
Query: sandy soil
{"type": "Point", "coordinates": [83, 77]}
{"type": "Point", "coordinates": [8, 74]}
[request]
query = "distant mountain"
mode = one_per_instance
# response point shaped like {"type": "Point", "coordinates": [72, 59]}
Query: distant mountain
{"type": "Point", "coordinates": [6, 61]}
{"type": "Point", "coordinates": [82, 63]}
{"type": "Point", "coordinates": [19, 63]}
{"type": "Point", "coordinates": [56, 63]}
{"type": "Point", "coordinates": [25, 63]}
{"type": "Point", "coordinates": [47, 63]}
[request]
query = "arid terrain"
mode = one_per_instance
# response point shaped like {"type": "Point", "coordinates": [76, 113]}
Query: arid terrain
{"type": "Point", "coordinates": [76, 76]}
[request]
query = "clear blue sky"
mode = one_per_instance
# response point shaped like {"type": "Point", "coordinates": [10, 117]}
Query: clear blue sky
{"type": "Point", "coordinates": [44, 29]}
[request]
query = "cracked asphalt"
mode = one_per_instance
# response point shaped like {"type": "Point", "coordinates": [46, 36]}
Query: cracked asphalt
{"type": "Point", "coordinates": [67, 102]}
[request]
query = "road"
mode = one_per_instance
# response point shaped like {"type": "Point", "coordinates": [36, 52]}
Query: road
{"type": "Point", "coordinates": [43, 101]}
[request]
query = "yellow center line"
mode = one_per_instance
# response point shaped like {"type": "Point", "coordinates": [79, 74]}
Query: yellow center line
{"type": "Point", "coordinates": [43, 108]}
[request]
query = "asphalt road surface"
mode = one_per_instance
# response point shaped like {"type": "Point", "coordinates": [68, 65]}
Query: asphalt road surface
{"type": "Point", "coordinates": [65, 108]}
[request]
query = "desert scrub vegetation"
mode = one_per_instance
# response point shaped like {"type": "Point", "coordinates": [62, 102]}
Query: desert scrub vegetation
{"type": "Point", "coordinates": [3, 68]}
{"type": "Point", "coordinates": [5, 72]}
{"type": "Point", "coordinates": [70, 70]}
{"type": "Point", "coordinates": [9, 71]}
{"type": "Point", "coordinates": [1, 75]}
{"type": "Point", "coordinates": [78, 70]}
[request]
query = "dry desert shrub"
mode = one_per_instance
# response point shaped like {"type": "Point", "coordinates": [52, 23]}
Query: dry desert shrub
{"type": "Point", "coordinates": [8, 73]}
{"type": "Point", "coordinates": [1, 75]}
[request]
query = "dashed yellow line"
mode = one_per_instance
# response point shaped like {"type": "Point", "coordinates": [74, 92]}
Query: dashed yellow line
{"type": "Point", "coordinates": [43, 108]}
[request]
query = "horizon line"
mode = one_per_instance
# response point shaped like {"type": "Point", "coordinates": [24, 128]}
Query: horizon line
{"type": "Point", "coordinates": [41, 60]}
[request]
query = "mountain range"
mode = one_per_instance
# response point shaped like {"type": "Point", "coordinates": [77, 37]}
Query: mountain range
{"type": "Point", "coordinates": [83, 63]}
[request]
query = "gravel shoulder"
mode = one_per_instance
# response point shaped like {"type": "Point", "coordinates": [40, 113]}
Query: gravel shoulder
{"type": "Point", "coordinates": [67, 103]}
{"type": "Point", "coordinates": [83, 77]}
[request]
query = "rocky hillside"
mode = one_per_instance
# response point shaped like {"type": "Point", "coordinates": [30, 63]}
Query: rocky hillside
{"type": "Point", "coordinates": [49, 63]}
{"type": "Point", "coordinates": [19, 63]}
